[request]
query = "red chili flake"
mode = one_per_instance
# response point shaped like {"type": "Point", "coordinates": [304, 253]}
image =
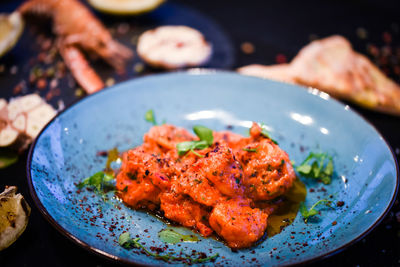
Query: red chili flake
{"type": "Point", "coordinates": [292, 237]}
{"type": "Point", "coordinates": [280, 59]}
{"type": "Point", "coordinates": [102, 153]}
{"type": "Point", "coordinates": [334, 223]}
{"type": "Point", "coordinates": [373, 50]}
{"type": "Point", "coordinates": [397, 70]}
{"type": "Point", "coordinates": [312, 190]}
{"type": "Point", "coordinates": [386, 50]}
{"type": "Point", "coordinates": [387, 37]}
{"type": "Point", "coordinates": [52, 93]}
{"type": "Point", "coordinates": [340, 203]}
{"type": "Point", "coordinates": [41, 57]}
{"type": "Point", "coordinates": [46, 44]}
{"type": "Point", "coordinates": [18, 88]}
{"type": "Point", "coordinates": [41, 83]}
{"type": "Point", "coordinates": [123, 28]}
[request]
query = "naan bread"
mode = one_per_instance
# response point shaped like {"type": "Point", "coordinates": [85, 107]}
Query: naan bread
{"type": "Point", "coordinates": [332, 65]}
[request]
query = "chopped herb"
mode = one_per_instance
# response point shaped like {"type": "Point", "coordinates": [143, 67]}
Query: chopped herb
{"type": "Point", "coordinates": [204, 134]}
{"type": "Point", "coordinates": [266, 133]}
{"type": "Point", "coordinates": [7, 157]}
{"type": "Point", "coordinates": [127, 242]}
{"type": "Point", "coordinates": [171, 236]}
{"type": "Point", "coordinates": [206, 139]}
{"type": "Point", "coordinates": [250, 149]}
{"type": "Point", "coordinates": [237, 180]}
{"type": "Point", "coordinates": [150, 117]}
{"type": "Point", "coordinates": [312, 211]}
{"type": "Point", "coordinates": [101, 182]}
{"type": "Point", "coordinates": [317, 166]}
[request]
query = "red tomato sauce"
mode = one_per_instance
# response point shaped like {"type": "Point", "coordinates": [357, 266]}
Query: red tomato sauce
{"type": "Point", "coordinates": [230, 190]}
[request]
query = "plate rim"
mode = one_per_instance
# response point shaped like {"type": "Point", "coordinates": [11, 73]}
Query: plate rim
{"type": "Point", "coordinates": [201, 72]}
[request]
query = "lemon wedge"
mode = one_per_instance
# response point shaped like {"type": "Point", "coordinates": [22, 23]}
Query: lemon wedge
{"type": "Point", "coordinates": [11, 27]}
{"type": "Point", "coordinates": [14, 216]}
{"type": "Point", "coordinates": [125, 7]}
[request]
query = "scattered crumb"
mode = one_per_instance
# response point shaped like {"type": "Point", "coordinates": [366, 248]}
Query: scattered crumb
{"type": "Point", "coordinates": [362, 33]}
{"type": "Point", "coordinates": [110, 82]}
{"type": "Point", "coordinates": [247, 48]}
{"type": "Point", "coordinates": [138, 67]}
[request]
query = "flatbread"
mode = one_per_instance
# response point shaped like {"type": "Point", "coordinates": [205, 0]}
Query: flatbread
{"type": "Point", "coordinates": [331, 65]}
{"type": "Point", "coordinates": [280, 72]}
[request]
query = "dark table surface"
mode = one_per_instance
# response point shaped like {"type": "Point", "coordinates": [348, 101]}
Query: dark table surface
{"type": "Point", "coordinates": [277, 29]}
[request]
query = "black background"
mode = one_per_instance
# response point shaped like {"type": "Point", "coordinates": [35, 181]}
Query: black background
{"type": "Point", "coordinates": [273, 27]}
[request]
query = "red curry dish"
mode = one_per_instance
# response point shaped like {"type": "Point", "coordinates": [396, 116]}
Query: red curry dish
{"type": "Point", "coordinates": [228, 189]}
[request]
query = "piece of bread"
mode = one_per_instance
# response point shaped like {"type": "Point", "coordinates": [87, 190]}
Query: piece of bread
{"type": "Point", "coordinates": [331, 65]}
{"type": "Point", "coordinates": [280, 72]}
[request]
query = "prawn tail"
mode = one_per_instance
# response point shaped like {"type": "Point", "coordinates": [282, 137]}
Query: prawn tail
{"type": "Point", "coordinates": [80, 69]}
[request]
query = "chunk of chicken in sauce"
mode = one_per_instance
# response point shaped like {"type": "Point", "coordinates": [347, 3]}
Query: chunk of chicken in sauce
{"type": "Point", "coordinates": [237, 223]}
{"type": "Point", "coordinates": [182, 209]}
{"type": "Point", "coordinates": [216, 191]}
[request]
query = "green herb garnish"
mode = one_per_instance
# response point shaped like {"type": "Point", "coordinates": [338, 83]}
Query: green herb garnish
{"type": "Point", "coordinates": [127, 242]}
{"type": "Point", "coordinates": [171, 236]}
{"type": "Point", "coordinates": [7, 157]}
{"type": "Point", "coordinates": [206, 139]}
{"type": "Point", "coordinates": [100, 181]}
{"type": "Point", "coordinates": [150, 117]}
{"type": "Point", "coordinates": [312, 211]}
{"type": "Point", "coordinates": [250, 149]}
{"type": "Point", "coordinates": [265, 133]}
{"type": "Point", "coordinates": [317, 166]}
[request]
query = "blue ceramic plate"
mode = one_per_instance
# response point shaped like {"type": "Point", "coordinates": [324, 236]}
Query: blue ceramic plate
{"type": "Point", "coordinates": [300, 120]}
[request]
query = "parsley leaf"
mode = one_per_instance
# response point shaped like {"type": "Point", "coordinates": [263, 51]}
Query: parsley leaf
{"type": "Point", "coordinates": [265, 133]}
{"type": "Point", "coordinates": [250, 149]}
{"type": "Point", "coordinates": [101, 182]}
{"type": "Point", "coordinates": [150, 117]}
{"type": "Point", "coordinates": [127, 242]}
{"type": "Point", "coordinates": [171, 236]}
{"type": "Point", "coordinates": [206, 139]}
{"type": "Point", "coordinates": [312, 211]}
{"type": "Point", "coordinates": [204, 134]}
{"type": "Point", "coordinates": [317, 166]}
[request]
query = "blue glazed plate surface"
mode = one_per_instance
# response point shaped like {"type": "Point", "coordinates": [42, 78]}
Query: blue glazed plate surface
{"type": "Point", "coordinates": [300, 120]}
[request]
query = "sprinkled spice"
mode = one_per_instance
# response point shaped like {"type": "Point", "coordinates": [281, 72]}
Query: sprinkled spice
{"type": "Point", "coordinates": [247, 48]}
{"type": "Point", "coordinates": [280, 59]}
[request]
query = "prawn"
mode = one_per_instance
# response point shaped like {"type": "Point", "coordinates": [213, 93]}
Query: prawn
{"type": "Point", "coordinates": [77, 28]}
